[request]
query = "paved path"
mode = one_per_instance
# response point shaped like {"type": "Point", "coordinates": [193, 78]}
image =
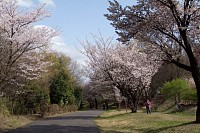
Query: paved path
{"type": "Point", "coordinates": [78, 122]}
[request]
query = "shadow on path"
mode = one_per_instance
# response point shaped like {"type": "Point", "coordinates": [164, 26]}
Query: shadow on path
{"type": "Point", "coordinates": [56, 129]}
{"type": "Point", "coordinates": [78, 122]}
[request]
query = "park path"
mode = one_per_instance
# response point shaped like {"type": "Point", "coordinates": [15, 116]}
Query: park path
{"type": "Point", "coordinates": [78, 122]}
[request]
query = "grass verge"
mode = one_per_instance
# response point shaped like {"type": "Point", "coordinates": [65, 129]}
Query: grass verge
{"type": "Point", "coordinates": [11, 122]}
{"type": "Point", "coordinates": [125, 122]}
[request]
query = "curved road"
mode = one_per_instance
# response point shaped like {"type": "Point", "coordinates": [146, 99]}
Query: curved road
{"type": "Point", "coordinates": [78, 122]}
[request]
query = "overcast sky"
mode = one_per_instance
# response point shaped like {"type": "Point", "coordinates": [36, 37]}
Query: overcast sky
{"type": "Point", "coordinates": [76, 20]}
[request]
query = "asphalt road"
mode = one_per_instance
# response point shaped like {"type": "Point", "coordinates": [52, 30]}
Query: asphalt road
{"type": "Point", "coordinates": [78, 122]}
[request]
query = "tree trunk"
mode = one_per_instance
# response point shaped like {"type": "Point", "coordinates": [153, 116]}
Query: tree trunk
{"type": "Point", "coordinates": [96, 104]}
{"type": "Point", "coordinates": [106, 104]}
{"type": "Point", "coordinates": [194, 65]}
{"type": "Point", "coordinates": [133, 107]}
{"type": "Point", "coordinates": [90, 104]}
{"type": "Point", "coordinates": [81, 105]}
{"type": "Point", "coordinates": [118, 106]}
{"type": "Point", "coordinates": [126, 104]}
{"type": "Point", "coordinates": [196, 77]}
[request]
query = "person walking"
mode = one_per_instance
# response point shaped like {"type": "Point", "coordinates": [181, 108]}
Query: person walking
{"type": "Point", "coordinates": [148, 106]}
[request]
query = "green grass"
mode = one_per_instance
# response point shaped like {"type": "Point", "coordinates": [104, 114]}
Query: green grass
{"type": "Point", "coordinates": [125, 122]}
{"type": "Point", "coordinates": [11, 122]}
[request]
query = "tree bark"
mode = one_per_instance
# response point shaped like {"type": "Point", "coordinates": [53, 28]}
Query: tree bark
{"type": "Point", "coordinates": [106, 105]}
{"type": "Point", "coordinates": [91, 106]}
{"type": "Point", "coordinates": [96, 103]}
{"type": "Point", "coordinates": [194, 65]}
{"type": "Point", "coordinates": [133, 107]}
{"type": "Point", "coordinates": [196, 77]}
{"type": "Point", "coordinates": [119, 106]}
{"type": "Point", "coordinates": [126, 104]}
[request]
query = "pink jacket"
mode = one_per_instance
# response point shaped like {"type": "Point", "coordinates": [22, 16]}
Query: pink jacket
{"type": "Point", "coordinates": [148, 103]}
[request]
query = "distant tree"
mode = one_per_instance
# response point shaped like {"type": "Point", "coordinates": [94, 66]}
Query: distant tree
{"type": "Point", "coordinates": [103, 93]}
{"type": "Point", "coordinates": [124, 68]}
{"type": "Point", "coordinates": [61, 91]}
{"type": "Point", "coordinates": [90, 93]}
{"type": "Point", "coordinates": [61, 88]}
{"type": "Point", "coordinates": [78, 94]}
{"type": "Point", "coordinates": [171, 25]}
{"type": "Point", "coordinates": [175, 89]}
{"type": "Point", "coordinates": [76, 71]}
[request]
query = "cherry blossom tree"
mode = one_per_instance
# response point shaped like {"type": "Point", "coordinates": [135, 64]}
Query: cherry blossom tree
{"type": "Point", "coordinates": [105, 93]}
{"type": "Point", "coordinates": [171, 25]}
{"type": "Point", "coordinates": [133, 73]}
{"type": "Point", "coordinates": [76, 71]}
{"type": "Point", "coordinates": [32, 65]}
{"type": "Point", "coordinates": [22, 40]}
{"type": "Point", "coordinates": [124, 68]}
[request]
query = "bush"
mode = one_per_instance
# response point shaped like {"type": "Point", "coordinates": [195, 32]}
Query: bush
{"type": "Point", "coordinates": [154, 108]}
{"type": "Point", "coordinates": [3, 108]}
{"type": "Point", "coordinates": [44, 110]}
{"type": "Point", "coordinates": [70, 108]}
{"type": "Point", "coordinates": [179, 90]}
{"type": "Point", "coordinates": [54, 109]}
{"type": "Point", "coordinates": [190, 95]}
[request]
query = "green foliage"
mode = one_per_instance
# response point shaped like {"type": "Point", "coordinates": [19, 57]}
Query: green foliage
{"type": "Point", "coordinates": [59, 89]}
{"type": "Point", "coordinates": [35, 96]}
{"type": "Point", "coordinates": [57, 86]}
{"type": "Point", "coordinates": [178, 89]}
{"type": "Point", "coordinates": [174, 87]}
{"type": "Point", "coordinates": [62, 86]}
{"type": "Point", "coordinates": [30, 100]}
{"type": "Point", "coordinates": [190, 94]}
{"type": "Point", "coordinates": [78, 93]}
{"type": "Point", "coordinates": [3, 107]}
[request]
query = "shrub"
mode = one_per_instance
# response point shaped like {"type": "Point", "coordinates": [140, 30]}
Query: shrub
{"type": "Point", "coordinates": [3, 108]}
{"type": "Point", "coordinates": [179, 90]}
{"type": "Point", "coordinates": [54, 109]}
{"type": "Point", "coordinates": [190, 95]}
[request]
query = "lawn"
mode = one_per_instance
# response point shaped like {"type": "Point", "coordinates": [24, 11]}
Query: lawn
{"type": "Point", "coordinates": [114, 121]}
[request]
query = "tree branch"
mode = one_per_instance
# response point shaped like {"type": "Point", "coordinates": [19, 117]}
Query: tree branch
{"type": "Point", "coordinates": [181, 65]}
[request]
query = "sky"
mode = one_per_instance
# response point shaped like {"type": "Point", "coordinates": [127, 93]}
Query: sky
{"type": "Point", "coordinates": [76, 20]}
